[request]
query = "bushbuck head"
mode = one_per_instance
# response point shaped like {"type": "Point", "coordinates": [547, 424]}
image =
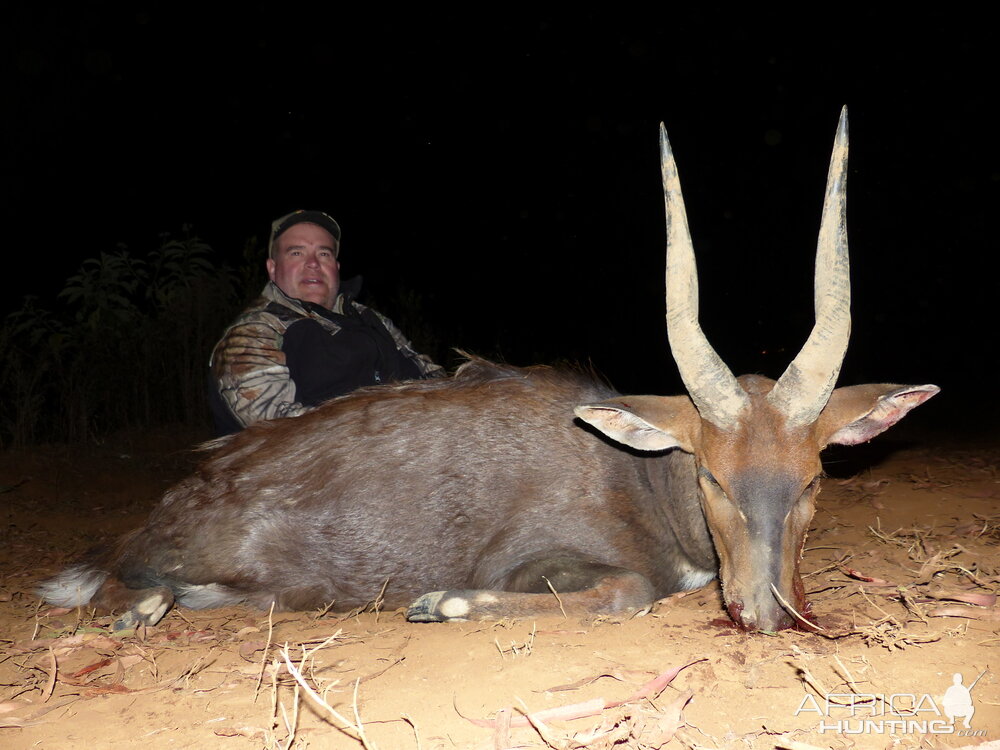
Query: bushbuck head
{"type": "Point", "coordinates": [756, 441]}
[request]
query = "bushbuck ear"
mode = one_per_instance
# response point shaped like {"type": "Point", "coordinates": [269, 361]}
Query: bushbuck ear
{"type": "Point", "coordinates": [649, 423]}
{"type": "Point", "coordinates": [858, 413]}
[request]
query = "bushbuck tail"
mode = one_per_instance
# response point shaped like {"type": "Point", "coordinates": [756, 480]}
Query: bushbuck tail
{"type": "Point", "coordinates": [481, 496]}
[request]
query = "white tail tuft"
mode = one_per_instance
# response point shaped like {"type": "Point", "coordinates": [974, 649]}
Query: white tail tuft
{"type": "Point", "coordinates": [74, 587]}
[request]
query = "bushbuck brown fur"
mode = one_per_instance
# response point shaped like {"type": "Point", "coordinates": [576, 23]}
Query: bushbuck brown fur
{"type": "Point", "coordinates": [482, 497]}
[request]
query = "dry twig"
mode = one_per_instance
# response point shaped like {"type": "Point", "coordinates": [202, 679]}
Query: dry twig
{"type": "Point", "coordinates": [354, 728]}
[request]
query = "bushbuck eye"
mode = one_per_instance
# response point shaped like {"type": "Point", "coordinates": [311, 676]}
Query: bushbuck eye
{"type": "Point", "coordinates": [707, 475]}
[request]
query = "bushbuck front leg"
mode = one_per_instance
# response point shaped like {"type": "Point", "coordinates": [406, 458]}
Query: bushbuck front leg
{"type": "Point", "coordinates": [543, 587]}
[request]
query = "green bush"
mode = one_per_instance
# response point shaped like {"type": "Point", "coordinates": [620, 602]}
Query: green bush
{"type": "Point", "coordinates": [126, 346]}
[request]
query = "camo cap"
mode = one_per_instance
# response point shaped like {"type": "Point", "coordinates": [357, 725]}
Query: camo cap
{"type": "Point", "coordinates": [278, 226]}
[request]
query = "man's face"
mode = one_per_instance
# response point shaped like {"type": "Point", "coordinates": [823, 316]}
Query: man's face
{"type": "Point", "coordinates": [305, 264]}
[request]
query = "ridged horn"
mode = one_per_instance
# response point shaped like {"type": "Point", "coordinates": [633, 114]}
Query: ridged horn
{"type": "Point", "coordinates": [805, 387]}
{"type": "Point", "coordinates": [708, 380]}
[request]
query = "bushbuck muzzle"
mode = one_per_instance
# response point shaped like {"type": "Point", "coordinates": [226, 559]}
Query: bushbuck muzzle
{"type": "Point", "coordinates": [481, 497]}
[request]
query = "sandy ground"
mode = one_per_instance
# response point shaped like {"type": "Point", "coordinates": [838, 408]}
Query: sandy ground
{"type": "Point", "coordinates": [901, 566]}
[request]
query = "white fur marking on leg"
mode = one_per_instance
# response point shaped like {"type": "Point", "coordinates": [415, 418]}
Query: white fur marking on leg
{"type": "Point", "coordinates": [152, 608]}
{"type": "Point", "coordinates": [150, 604]}
{"type": "Point", "coordinates": [454, 608]}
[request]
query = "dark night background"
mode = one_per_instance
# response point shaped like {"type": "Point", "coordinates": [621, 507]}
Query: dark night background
{"type": "Point", "coordinates": [501, 173]}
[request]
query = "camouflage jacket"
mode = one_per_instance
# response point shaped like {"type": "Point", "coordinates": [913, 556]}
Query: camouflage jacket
{"type": "Point", "coordinates": [261, 369]}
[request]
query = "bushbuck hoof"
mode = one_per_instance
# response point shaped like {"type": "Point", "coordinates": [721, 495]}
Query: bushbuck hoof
{"type": "Point", "coordinates": [439, 606]}
{"type": "Point", "coordinates": [148, 609]}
